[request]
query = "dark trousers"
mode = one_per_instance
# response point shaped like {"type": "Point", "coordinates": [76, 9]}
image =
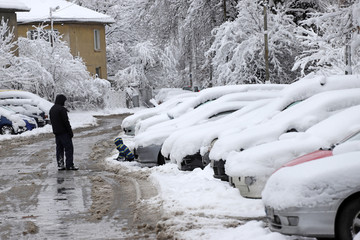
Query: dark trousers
{"type": "Point", "coordinates": [64, 144]}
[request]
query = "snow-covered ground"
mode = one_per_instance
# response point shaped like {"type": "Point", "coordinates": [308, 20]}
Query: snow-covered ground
{"type": "Point", "coordinates": [195, 205]}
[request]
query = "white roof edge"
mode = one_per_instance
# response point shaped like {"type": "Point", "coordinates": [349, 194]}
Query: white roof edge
{"type": "Point", "coordinates": [14, 5]}
{"type": "Point", "coordinates": [100, 20]}
{"type": "Point", "coordinates": [62, 11]}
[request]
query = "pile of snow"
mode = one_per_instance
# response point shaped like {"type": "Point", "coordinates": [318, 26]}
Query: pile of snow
{"type": "Point", "coordinates": [197, 206]}
{"type": "Point", "coordinates": [314, 183]}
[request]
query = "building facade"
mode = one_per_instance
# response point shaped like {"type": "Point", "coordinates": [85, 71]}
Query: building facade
{"type": "Point", "coordinates": [82, 29]}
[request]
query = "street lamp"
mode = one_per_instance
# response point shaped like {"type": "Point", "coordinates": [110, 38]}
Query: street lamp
{"type": "Point", "coordinates": [52, 23]}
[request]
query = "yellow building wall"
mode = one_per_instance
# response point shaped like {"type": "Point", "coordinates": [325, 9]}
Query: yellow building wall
{"type": "Point", "coordinates": [80, 38]}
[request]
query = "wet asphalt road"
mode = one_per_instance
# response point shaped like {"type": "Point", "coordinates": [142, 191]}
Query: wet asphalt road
{"type": "Point", "coordinates": [39, 202]}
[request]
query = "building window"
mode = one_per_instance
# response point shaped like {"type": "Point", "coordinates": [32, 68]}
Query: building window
{"type": "Point", "coordinates": [98, 72]}
{"type": "Point", "coordinates": [97, 40]}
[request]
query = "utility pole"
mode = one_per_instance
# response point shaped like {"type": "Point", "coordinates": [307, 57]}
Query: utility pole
{"type": "Point", "coordinates": [266, 52]}
{"type": "Point", "coordinates": [348, 68]}
{"type": "Point", "coordinates": [224, 10]}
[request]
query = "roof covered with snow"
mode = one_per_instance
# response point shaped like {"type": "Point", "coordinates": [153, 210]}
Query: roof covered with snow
{"type": "Point", "coordinates": [66, 12]}
{"type": "Point", "coordinates": [15, 5]}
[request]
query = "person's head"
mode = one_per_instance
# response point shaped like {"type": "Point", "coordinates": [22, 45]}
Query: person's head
{"type": "Point", "coordinates": [118, 141]}
{"type": "Point", "coordinates": [60, 99]}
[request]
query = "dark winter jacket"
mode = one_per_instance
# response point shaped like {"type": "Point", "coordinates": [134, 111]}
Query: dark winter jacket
{"type": "Point", "coordinates": [59, 117]}
{"type": "Point", "coordinates": [124, 151]}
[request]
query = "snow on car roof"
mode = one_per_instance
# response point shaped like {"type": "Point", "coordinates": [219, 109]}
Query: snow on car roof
{"type": "Point", "coordinates": [264, 159]}
{"type": "Point", "coordinates": [165, 106]}
{"type": "Point", "coordinates": [167, 93]}
{"type": "Point", "coordinates": [216, 92]}
{"type": "Point", "coordinates": [67, 12]}
{"type": "Point", "coordinates": [157, 133]}
{"type": "Point", "coordinates": [299, 117]}
{"type": "Point", "coordinates": [18, 94]}
{"type": "Point", "coordinates": [313, 183]}
{"type": "Point", "coordinates": [178, 144]}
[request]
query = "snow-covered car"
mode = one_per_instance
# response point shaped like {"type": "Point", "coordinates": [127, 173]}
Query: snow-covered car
{"type": "Point", "coordinates": [202, 97]}
{"type": "Point", "coordinates": [187, 146]}
{"type": "Point", "coordinates": [129, 123]}
{"type": "Point", "coordinates": [148, 143]}
{"type": "Point", "coordinates": [349, 144]}
{"type": "Point", "coordinates": [43, 104]}
{"type": "Point", "coordinates": [318, 198]}
{"type": "Point", "coordinates": [30, 123]}
{"type": "Point", "coordinates": [249, 170]}
{"type": "Point", "coordinates": [26, 107]}
{"type": "Point", "coordinates": [290, 97]}
{"type": "Point", "coordinates": [10, 122]}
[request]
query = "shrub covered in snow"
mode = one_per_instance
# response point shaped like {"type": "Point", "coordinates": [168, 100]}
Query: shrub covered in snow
{"type": "Point", "coordinates": [48, 70]}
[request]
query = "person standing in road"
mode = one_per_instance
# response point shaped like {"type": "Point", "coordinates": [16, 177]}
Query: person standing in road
{"type": "Point", "coordinates": [63, 134]}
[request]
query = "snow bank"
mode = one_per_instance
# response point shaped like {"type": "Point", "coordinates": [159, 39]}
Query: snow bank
{"type": "Point", "coordinates": [313, 183]}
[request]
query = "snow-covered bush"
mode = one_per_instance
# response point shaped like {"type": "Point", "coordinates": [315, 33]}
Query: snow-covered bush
{"type": "Point", "coordinates": [68, 74]}
{"type": "Point", "coordinates": [47, 70]}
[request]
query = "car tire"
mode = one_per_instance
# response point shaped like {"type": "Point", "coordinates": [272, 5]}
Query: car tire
{"type": "Point", "coordinates": [347, 223]}
{"type": "Point", "coordinates": [6, 130]}
{"type": "Point", "coordinates": [161, 159]}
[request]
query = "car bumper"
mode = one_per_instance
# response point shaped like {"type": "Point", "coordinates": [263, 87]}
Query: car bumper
{"type": "Point", "coordinates": [249, 187]}
{"type": "Point", "coordinates": [308, 222]}
{"type": "Point", "coordinates": [191, 162]}
{"type": "Point", "coordinates": [219, 170]}
{"type": "Point", "coordinates": [148, 155]}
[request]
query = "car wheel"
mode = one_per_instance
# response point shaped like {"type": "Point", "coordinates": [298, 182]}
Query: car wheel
{"type": "Point", "coordinates": [348, 221]}
{"type": "Point", "coordinates": [161, 159]}
{"type": "Point", "coordinates": [6, 130]}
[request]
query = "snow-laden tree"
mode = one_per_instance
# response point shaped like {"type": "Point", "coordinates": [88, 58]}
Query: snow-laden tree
{"type": "Point", "coordinates": [324, 37]}
{"type": "Point", "coordinates": [7, 43]}
{"type": "Point", "coordinates": [21, 72]}
{"type": "Point", "coordinates": [61, 72]}
{"type": "Point", "coordinates": [237, 52]}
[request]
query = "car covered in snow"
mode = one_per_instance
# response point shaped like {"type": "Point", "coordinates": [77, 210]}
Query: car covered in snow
{"type": "Point", "coordinates": [11, 122]}
{"type": "Point", "coordinates": [37, 101]}
{"type": "Point", "coordinates": [249, 170]}
{"type": "Point", "coordinates": [148, 143]}
{"type": "Point", "coordinates": [205, 96]}
{"type": "Point", "coordinates": [129, 123]}
{"type": "Point", "coordinates": [26, 107]}
{"type": "Point", "coordinates": [280, 116]}
{"type": "Point", "coordinates": [187, 145]}
{"type": "Point", "coordinates": [318, 198]}
{"type": "Point", "coordinates": [30, 123]}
